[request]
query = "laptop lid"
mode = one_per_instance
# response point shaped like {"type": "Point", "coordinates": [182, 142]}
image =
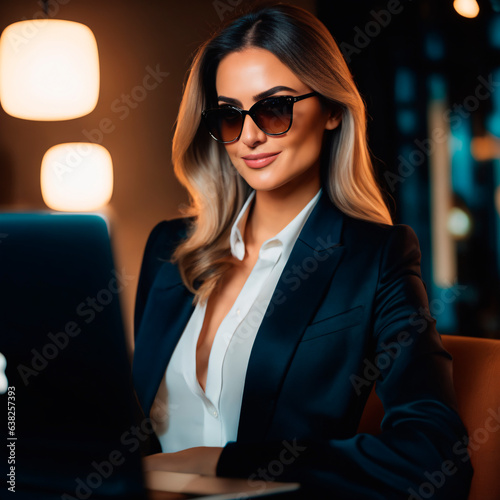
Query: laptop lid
{"type": "Point", "coordinates": [69, 406]}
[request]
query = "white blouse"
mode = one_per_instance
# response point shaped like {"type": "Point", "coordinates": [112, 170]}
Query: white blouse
{"type": "Point", "coordinates": [193, 417]}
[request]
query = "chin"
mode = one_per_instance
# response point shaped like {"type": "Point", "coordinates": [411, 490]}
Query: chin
{"type": "Point", "coordinates": [262, 184]}
{"type": "Point", "coordinates": [273, 182]}
{"type": "Point", "coordinates": [262, 179]}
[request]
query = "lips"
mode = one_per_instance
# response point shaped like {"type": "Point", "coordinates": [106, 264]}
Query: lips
{"type": "Point", "coordinates": [260, 160]}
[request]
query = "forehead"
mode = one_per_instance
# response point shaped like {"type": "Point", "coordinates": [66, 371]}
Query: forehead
{"type": "Point", "coordinates": [251, 71]}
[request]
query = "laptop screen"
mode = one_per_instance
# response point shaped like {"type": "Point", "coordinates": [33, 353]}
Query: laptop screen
{"type": "Point", "coordinates": [69, 406]}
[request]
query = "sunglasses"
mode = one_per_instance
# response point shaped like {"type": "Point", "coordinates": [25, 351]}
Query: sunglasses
{"type": "Point", "coordinates": [273, 115]}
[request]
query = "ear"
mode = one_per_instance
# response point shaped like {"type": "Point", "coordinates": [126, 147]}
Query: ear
{"type": "Point", "coordinates": [334, 119]}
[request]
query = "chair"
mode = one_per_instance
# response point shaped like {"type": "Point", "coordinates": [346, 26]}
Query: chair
{"type": "Point", "coordinates": [476, 375]}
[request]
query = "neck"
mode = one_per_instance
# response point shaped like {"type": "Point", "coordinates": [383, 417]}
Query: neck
{"type": "Point", "coordinates": [274, 210]}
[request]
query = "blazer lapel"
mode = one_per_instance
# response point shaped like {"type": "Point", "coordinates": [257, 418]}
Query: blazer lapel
{"type": "Point", "coordinates": [309, 269]}
{"type": "Point", "coordinates": [167, 312]}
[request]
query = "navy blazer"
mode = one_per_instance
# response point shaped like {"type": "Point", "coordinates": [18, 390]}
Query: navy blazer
{"type": "Point", "coordinates": [350, 309]}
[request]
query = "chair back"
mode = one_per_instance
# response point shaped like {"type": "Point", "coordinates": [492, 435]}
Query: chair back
{"type": "Point", "coordinates": [476, 376]}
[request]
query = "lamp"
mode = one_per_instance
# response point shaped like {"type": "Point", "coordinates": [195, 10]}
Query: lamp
{"type": "Point", "coordinates": [76, 177]}
{"type": "Point", "coordinates": [466, 8]}
{"type": "Point", "coordinates": [49, 70]}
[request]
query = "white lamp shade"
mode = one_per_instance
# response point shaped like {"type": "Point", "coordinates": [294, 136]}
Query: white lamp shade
{"type": "Point", "coordinates": [76, 177]}
{"type": "Point", "coordinates": [466, 8]}
{"type": "Point", "coordinates": [49, 70]}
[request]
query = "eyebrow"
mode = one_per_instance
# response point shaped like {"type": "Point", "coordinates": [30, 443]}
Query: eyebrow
{"type": "Point", "coordinates": [258, 97]}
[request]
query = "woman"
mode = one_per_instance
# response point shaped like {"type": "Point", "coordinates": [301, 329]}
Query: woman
{"type": "Point", "coordinates": [263, 319]}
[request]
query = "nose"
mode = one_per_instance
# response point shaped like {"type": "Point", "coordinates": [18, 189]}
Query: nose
{"type": "Point", "coordinates": [251, 135]}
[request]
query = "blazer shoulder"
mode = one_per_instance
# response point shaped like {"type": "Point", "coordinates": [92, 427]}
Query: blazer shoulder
{"type": "Point", "coordinates": [393, 249]}
{"type": "Point", "coordinates": [165, 237]}
{"type": "Point", "coordinates": [378, 234]}
{"type": "Point", "coordinates": [162, 241]}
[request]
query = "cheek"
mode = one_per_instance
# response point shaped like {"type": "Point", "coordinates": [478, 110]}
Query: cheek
{"type": "Point", "coordinates": [309, 139]}
{"type": "Point", "coordinates": [231, 151]}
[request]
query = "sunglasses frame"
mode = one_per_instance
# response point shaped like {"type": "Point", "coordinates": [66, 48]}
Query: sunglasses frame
{"type": "Point", "coordinates": [251, 112]}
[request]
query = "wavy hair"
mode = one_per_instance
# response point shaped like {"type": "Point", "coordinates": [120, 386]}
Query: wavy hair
{"type": "Point", "coordinates": [217, 192]}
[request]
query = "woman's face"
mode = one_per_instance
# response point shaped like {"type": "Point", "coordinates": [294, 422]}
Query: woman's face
{"type": "Point", "coordinates": [271, 162]}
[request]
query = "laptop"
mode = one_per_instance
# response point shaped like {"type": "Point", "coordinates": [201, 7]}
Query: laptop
{"type": "Point", "coordinates": [70, 413]}
{"type": "Point", "coordinates": [73, 427]}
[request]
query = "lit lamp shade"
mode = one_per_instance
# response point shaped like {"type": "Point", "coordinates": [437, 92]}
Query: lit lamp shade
{"type": "Point", "coordinates": [76, 177]}
{"type": "Point", "coordinates": [49, 70]}
{"type": "Point", "coordinates": [466, 8]}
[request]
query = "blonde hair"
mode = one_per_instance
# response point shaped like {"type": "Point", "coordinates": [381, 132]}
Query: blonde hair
{"type": "Point", "coordinates": [217, 192]}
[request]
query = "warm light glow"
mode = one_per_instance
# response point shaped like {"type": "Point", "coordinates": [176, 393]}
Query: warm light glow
{"type": "Point", "coordinates": [459, 223]}
{"type": "Point", "coordinates": [49, 70]}
{"type": "Point", "coordinates": [76, 177]}
{"type": "Point", "coordinates": [485, 148]}
{"type": "Point", "coordinates": [466, 8]}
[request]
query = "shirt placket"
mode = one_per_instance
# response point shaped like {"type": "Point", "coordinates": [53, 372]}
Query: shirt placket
{"type": "Point", "coordinates": [229, 325]}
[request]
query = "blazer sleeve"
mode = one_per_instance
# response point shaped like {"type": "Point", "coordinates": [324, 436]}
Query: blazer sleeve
{"type": "Point", "coordinates": [422, 450]}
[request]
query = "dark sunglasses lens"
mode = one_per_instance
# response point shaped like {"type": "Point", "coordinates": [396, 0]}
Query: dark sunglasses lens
{"type": "Point", "coordinates": [273, 115]}
{"type": "Point", "coordinates": [224, 124]}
